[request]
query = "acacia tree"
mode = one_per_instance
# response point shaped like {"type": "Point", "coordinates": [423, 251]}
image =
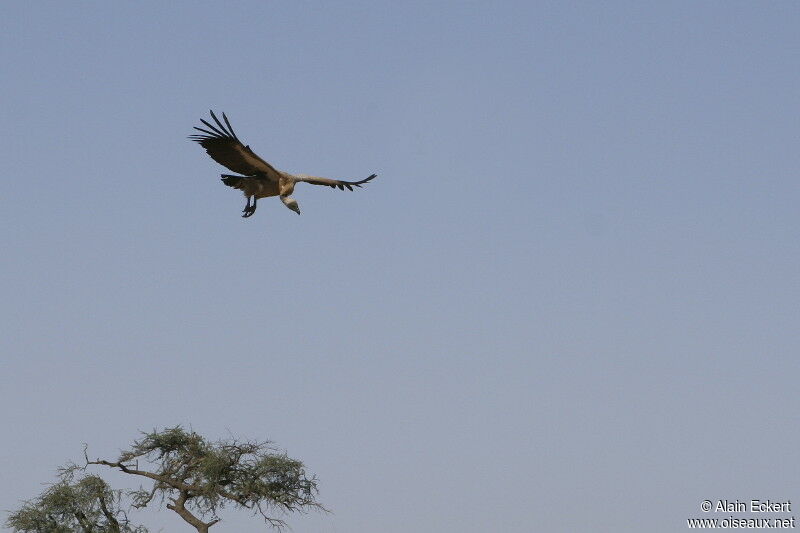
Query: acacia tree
{"type": "Point", "coordinates": [76, 503]}
{"type": "Point", "coordinates": [197, 478]}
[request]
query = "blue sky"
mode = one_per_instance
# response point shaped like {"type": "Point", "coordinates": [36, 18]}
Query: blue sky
{"type": "Point", "coordinates": [568, 302]}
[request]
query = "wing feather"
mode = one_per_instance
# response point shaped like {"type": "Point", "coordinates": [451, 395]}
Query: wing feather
{"type": "Point", "coordinates": [229, 133]}
{"type": "Point", "coordinates": [340, 184]}
{"type": "Point", "coordinates": [215, 130]}
{"type": "Point", "coordinates": [230, 128]}
{"type": "Point", "coordinates": [225, 148]}
{"type": "Point", "coordinates": [208, 132]}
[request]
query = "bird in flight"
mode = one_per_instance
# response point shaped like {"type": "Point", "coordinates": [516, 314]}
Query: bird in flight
{"type": "Point", "coordinates": [258, 178]}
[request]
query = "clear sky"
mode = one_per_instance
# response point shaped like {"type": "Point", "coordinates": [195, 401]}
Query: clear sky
{"type": "Point", "coordinates": [568, 303]}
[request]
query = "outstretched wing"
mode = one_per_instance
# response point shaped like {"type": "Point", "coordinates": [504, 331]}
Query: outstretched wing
{"type": "Point", "coordinates": [334, 183]}
{"type": "Point", "coordinates": [225, 148]}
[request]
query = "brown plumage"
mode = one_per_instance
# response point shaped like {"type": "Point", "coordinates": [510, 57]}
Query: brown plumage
{"type": "Point", "coordinates": [259, 179]}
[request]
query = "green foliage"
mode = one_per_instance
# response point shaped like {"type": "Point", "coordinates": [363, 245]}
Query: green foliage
{"type": "Point", "coordinates": [195, 477]}
{"type": "Point", "coordinates": [249, 475]}
{"type": "Point", "coordinates": [84, 505]}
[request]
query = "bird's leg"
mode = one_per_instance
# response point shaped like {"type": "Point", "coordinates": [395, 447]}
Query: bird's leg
{"type": "Point", "coordinates": [249, 210]}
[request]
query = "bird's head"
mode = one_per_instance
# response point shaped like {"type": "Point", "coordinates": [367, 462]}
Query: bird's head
{"type": "Point", "coordinates": [291, 203]}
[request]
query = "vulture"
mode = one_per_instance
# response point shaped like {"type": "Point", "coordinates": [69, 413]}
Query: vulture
{"type": "Point", "coordinates": [258, 178]}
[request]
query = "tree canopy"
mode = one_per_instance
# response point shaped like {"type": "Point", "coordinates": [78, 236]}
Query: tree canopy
{"type": "Point", "coordinates": [76, 503]}
{"type": "Point", "coordinates": [197, 478]}
{"type": "Point", "coordinates": [192, 476]}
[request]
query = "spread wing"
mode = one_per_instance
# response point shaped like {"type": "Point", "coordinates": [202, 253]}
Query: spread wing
{"type": "Point", "coordinates": [225, 148]}
{"type": "Point", "coordinates": [334, 183]}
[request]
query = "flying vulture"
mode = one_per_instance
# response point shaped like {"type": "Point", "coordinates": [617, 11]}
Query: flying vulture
{"type": "Point", "coordinates": [259, 179]}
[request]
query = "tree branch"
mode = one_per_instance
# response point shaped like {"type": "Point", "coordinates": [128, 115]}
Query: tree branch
{"type": "Point", "coordinates": [112, 521]}
{"type": "Point", "coordinates": [179, 506]}
{"type": "Point", "coordinates": [163, 479]}
{"type": "Point", "coordinates": [142, 501]}
{"type": "Point", "coordinates": [81, 518]}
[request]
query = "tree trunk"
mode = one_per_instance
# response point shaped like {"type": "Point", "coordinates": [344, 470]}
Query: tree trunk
{"type": "Point", "coordinates": [113, 524]}
{"type": "Point", "coordinates": [178, 505]}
